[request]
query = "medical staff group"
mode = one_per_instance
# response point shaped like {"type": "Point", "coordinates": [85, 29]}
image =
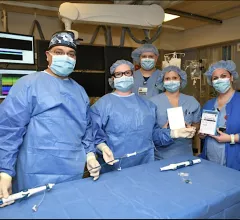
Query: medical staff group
{"type": "Point", "coordinates": [49, 131]}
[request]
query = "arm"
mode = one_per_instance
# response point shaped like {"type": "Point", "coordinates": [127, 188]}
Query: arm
{"type": "Point", "coordinates": [161, 136]}
{"type": "Point", "coordinates": [88, 140]}
{"type": "Point", "coordinates": [97, 117]}
{"type": "Point", "coordinates": [15, 114]}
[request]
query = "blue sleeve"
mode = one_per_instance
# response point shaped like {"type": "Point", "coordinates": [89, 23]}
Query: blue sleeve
{"type": "Point", "coordinates": [15, 112]}
{"type": "Point", "coordinates": [197, 114]}
{"type": "Point", "coordinates": [88, 139]}
{"type": "Point", "coordinates": [99, 120]}
{"type": "Point", "coordinates": [161, 136]}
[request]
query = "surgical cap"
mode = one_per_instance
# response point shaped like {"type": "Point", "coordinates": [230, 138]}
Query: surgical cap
{"type": "Point", "coordinates": [175, 69]}
{"type": "Point", "coordinates": [228, 65]}
{"type": "Point", "coordinates": [120, 62]}
{"type": "Point", "coordinates": [145, 48]}
{"type": "Point", "coordinates": [63, 38]}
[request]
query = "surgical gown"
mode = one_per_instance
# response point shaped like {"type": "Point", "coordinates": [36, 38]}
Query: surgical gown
{"type": "Point", "coordinates": [45, 130]}
{"type": "Point", "coordinates": [192, 114]}
{"type": "Point", "coordinates": [145, 89]}
{"type": "Point", "coordinates": [127, 124]}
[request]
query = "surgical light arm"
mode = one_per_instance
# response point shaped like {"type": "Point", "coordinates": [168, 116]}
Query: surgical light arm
{"type": "Point", "coordinates": [138, 16]}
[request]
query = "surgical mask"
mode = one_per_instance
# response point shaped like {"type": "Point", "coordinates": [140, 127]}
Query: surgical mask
{"type": "Point", "coordinates": [172, 86]}
{"type": "Point", "coordinates": [62, 65]}
{"type": "Point", "coordinates": [124, 83]}
{"type": "Point", "coordinates": [147, 63]}
{"type": "Point", "coordinates": [221, 85]}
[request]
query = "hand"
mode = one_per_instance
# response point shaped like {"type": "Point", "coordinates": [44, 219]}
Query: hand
{"type": "Point", "coordinates": [222, 138]}
{"type": "Point", "coordinates": [166, 125]}
{"type": "Point", "coordinates": [188, 125]}
{"type": "Point", "coordinates": [107, 153]}
{"type": "Point", "coordinates": [183, 132]}
{"type": "Point", "coordinates": [93, 166]}
{"type": "Point", "coordinates": [5, 187]}
{"type": "Point", "coordinates": [201, 135]}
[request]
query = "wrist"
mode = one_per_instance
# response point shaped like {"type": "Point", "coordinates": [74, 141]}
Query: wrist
{"type": "Point", "coordinates": [232, 138]}
{"type": "Point", "coordinates": [102, 146]}
{"type": "Point", "coordinates": [5, 175]}
{"type": "Point", "coordinates": [90, 156]}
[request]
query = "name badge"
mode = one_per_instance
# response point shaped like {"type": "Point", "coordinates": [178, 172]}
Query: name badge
{"type": "Point", "coordinates": [142, 91]}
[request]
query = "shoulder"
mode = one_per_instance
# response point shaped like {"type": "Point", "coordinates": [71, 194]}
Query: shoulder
{"type": "Point", "coordinates": [209, 104]}
{"type": "Point", "coordinates": [158, 72]}
{"type": "Point", "coordinates": [146, 102]}
{"type": "Point", "coordinates": [237, 95]}
{"type": "Point", "coordinates": [190, 98]}
{"type": "Point", "coordinates": [137, 72]}
{"type": "Point", "coordinates": [103, 100]}
{"type": "Point", "coordinates": [25, 82]}
{"type": "Point", "coordinates": [78, 86]}
{"type": "Point", "coordinates": [157, 98]}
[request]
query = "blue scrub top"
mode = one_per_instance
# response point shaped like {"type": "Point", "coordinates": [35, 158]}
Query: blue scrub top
{"type": "Point", "coordinates": [150, 84]}
{"type": "Point", "coordinates": [192, 114]}
{"type": "Point", "coordinates": [215, 150]}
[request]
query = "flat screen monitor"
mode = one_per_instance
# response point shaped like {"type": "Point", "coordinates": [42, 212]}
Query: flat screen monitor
{"type": "Point", "coordinates": [16, 48]}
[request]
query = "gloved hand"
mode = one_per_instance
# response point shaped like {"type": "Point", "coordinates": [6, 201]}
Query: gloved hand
{"type": "Point", "coordinates": [183, 132]}
{"type": "Point", "coordinates": [5, 187]}
{"type": "Point", "coordinates": [107, 153]}
{"type": "Point", "coordinates": [93, 166]}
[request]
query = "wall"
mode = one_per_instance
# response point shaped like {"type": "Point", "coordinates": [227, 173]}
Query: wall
{"type": "Point", "coordinates": [210, 34]}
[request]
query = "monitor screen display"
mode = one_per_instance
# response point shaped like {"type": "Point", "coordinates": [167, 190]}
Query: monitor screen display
{"type": "Point", "coordinates": [16, 48]}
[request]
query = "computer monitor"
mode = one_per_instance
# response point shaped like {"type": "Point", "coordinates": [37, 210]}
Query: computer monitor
{"type": "Point", "coordinates": [16, 48]}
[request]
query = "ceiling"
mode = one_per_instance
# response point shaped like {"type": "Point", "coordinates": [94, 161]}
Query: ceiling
{"type": "Point", "coordinates": [220, 10]}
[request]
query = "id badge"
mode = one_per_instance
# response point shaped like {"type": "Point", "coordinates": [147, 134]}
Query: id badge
{"type": "Point", "coordinates": [209, 122]}
{"type": "Point", "coordinates": [142, 91]}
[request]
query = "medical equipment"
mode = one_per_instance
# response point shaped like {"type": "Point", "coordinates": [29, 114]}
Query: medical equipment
{"type": "Point", "coordinates": [180, 165]}
{"type": "Point", "coordinates": [185, 177]}
{"type": "Point", "coordinates": [171, 59]}
{"type": "Point", "coordinates": [195, 70]}
{"type": "Point", "coordinates": [27, 193]}
{"type": "Point", "coordinates": [151, 17]}
{"type": "Point", "coordinates": [107, 15]}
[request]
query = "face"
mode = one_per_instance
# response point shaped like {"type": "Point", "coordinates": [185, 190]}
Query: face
{"type": "Point", "coordinates": [221, 74]}
{"type": "Point", "coordinates": [124, 68]}
{"type": "Point", "coordinates": [60, 50]}
{"type": "Point", "coordinates": [149, 55]}
{"type": "Point", "coordinates": [171, 76]}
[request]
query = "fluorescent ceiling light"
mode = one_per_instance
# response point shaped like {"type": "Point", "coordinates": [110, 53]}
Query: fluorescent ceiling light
{"type": "Point", "coordinates": [169, 17]}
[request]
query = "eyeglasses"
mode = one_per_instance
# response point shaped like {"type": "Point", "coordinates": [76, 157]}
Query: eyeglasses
{"type": "Point", "coordinates": [120, 74]}
{"type": "Point", "coordinates": [71, 54]}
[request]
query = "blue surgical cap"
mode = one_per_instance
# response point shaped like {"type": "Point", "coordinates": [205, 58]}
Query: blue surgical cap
{"type": "Point", "coordinates": [228, 65]}
{"type": "Point", "coordinates": [120, 62]}
{"type": "Point", "coordinates": [63, 38]}
{"type": "Point", "coordinates": [145, 48]}
{"type": "Point", "coordinates": [175, 69]}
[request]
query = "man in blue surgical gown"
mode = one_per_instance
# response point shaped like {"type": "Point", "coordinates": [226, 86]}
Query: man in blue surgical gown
{"type": "Point", "coordinates": [45, 127]}
{"type": "Point", "coordinates": [145, 78]}
{"type": "Point", "coordinates": [125, 124]}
